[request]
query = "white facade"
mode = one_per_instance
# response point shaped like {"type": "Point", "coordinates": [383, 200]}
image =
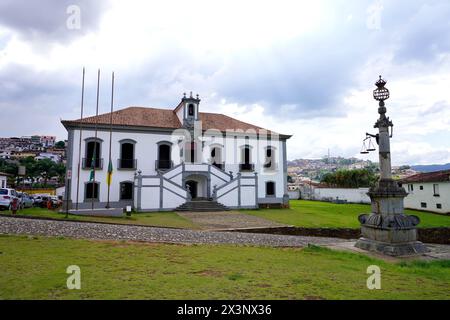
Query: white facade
{"type": "Point", "coordinates": [428, 196]}
{"type": "Point", "coordinates": [158, 189]}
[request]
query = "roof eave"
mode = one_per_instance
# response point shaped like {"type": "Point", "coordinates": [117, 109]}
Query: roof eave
{"type": "Point", "coordinates": [70, 125]}
{"type": "Point", "coordinates": [286, 136]}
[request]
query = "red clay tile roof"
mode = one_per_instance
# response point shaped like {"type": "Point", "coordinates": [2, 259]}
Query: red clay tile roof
{"type": "Point", "coordinates": [164, 118]}
{"type": "Point", "coordinates": [222, 122]}
{"type": "Point", "coordinates": [437, 176]}
{"type": "Point", "coordinates": [136, 116]}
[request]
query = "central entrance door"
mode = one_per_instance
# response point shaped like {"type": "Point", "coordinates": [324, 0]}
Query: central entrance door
{"type": "Point", "coordinates": [193, 188]}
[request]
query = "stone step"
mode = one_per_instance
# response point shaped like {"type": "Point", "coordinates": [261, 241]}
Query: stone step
{"type": "Point", "coordinates": [202, 206]}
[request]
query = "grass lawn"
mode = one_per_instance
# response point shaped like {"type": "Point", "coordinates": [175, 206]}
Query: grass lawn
{"type": "Point", "coordinates": [35, 268]}
{"type": "Point", "coordinates": [159, 219]}
{"type": "Point", "coordinates": [315, 214]}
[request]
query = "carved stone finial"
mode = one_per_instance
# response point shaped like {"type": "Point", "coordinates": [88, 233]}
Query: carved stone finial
{"type": "Point", "coordinates": [184, 95]}
{"type": "Point", "coordinates": [197, 96]}
{"type": "Point", "coordinates": [191, 94]}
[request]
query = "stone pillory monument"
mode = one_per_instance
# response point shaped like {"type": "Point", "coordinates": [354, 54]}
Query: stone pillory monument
{"type": "Point", "coordinates": [387, 229]}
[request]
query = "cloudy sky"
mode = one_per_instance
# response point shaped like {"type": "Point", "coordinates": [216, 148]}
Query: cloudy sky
{"type": "Point", "coordinates": [305, 68]}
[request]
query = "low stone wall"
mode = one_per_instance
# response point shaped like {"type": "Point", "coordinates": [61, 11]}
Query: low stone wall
{"type": "Point", "coordinates": [434, 235]}
{"type": "Point", "coordinates": [426, 235]}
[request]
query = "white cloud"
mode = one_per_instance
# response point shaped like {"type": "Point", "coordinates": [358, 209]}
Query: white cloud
{"type": "Point", "coordinates": [298, 67]}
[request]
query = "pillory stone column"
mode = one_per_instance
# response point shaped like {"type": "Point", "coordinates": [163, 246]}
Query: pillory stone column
{"type": "Point", "coordinates": [387, 229]}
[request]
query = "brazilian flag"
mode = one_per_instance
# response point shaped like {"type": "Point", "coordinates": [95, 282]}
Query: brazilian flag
{"type": "Point", "coordinates": [110, 172]}
{"type": "Point", "coordinates": [91, 177]}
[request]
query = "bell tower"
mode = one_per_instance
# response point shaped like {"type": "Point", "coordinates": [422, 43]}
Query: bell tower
{"type": "Point", "coordinates": [190, 106]}
{"type": "Point", "coordinates": [188, 114]}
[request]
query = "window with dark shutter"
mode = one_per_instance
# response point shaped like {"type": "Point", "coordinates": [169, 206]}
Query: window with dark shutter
{"type": "Point", "coordinates": [126, 190]}
{"type": "Point", "coordinates": [270, 188]}
{"type": "Point", "coordinates": [91, 192]}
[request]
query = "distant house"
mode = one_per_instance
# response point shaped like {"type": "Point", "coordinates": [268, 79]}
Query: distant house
{"type": "Point", "coordinates": [47, 155]}
{"type": "Point", "coordinates": [5, 155]}
{"type": "Point", "coordinates": [3, 179]}
{"type": "Point", "coordinates": [48, 141]}
{"type": "Point", "coordinates": [428, 191]}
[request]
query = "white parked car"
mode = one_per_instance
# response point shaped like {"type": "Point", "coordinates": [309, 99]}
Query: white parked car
{"type": "Point", "coordinates": [25, 200]}
{"type": "Point", "coordinates": [6, 197]}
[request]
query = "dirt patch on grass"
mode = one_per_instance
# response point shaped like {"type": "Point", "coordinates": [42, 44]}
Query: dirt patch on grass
{"type": "Point", "coordinates": [313, 298]}
{"type": "Point", "coordinates": [126, 244]}
{"type": "Point", "coordinates": [209, 273]}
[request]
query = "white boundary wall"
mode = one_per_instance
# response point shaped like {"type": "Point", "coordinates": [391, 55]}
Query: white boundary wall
{"type": "Point", "coordinates": [350, 195]}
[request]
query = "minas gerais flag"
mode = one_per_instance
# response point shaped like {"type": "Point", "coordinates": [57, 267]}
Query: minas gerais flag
{"type": "Point", "coordinates": [110, 172]}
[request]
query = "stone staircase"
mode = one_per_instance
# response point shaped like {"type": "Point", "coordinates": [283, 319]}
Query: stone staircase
{"type": "Point", "coordinates": [202, 205]}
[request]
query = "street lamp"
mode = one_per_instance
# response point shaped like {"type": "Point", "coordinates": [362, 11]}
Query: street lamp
{"type": "Point", "coordinates": [387, 229]}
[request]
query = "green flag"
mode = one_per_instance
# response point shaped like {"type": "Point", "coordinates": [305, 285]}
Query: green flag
{"type": "Point", "coordinates": [91, 177]}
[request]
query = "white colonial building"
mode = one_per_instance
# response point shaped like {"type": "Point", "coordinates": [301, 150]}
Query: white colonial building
{"type": "Point", "coordinates": [428, 191]}
{"type": "Point", "coordinates": [165, 159]}
{"type": "Point", "coordinates": [3, 179]}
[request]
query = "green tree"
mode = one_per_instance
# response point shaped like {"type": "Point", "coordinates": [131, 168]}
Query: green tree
{"type": "Point", "coordinates": [9, 167]}
{"type": "Point", "coordinates": [60, 170]}
{"type": "Point", "coordinates": [350, 178]}
{"type": "Point", "coordinates": [60, 145]}
{"type": "Point", "coordinates": [45, 168]}
{"type": "Point", "coordinates": [34, 169]}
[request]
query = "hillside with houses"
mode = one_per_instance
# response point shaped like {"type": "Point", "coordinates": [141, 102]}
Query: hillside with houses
{"type": "Point", "coordinates": [315, 169]}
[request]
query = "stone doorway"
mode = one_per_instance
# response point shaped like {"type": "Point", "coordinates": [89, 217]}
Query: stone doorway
{"type": "Point", "coordinates": [192, 186]}
{"type": "Point", "coordinates": [198, 185]}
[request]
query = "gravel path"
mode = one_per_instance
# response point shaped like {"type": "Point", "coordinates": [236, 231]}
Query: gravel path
{"type": "Point", "coordinates": [97, 231]}
{"type": "Point", "coordinates": [228, 220]}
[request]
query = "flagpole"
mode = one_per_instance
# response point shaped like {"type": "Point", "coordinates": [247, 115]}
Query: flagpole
{"type": "Point", "coordinates": [79, 144]}
{"type": "Point", "coordinates": [96, 142]}
{"type": "Point", "coordinates": [109, 174]}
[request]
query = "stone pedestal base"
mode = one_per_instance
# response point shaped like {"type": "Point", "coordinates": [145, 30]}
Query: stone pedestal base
{"type": "Point", "coordinates": [392, 249]}
{"type": "Point", "coordinates": [390, 241]}
{"type": "Point", "coordinates": [389, 235]}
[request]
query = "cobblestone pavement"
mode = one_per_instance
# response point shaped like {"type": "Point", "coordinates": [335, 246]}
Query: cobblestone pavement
{"type": "Point", "coordinates": [228, 220]}
{"type": "Point", "coordinates": [97, 231]}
